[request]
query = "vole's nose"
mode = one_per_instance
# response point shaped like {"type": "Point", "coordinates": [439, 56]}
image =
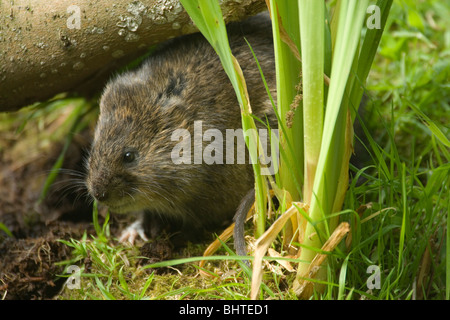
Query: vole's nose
{"type": "Point", "coordinates": [98, 192]}
{"type": "Point", "coordinates": [101, 195]}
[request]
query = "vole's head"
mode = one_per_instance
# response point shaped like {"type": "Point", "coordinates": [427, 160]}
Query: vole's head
{"type": "Point", "coordinates": [130, 166]}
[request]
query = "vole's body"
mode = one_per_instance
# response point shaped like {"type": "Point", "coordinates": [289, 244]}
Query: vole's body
{"type": "Point", "coordinates": [130, 166]}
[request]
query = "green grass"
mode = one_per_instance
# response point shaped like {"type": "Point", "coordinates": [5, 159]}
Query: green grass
{"type": "Point", "coordinates": [408, 183]}
{"type": "Point", "coordinates": [404, 184]}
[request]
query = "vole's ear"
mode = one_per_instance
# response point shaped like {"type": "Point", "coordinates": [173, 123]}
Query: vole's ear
{"type": "Point", "coordinates": [175, 85]}
{"type": "Point", "coordinates": [122, 91]}
{"type": "Point", "coordinates": [171, 94]}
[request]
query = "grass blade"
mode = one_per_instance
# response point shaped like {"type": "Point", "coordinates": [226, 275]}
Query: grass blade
{"type": "Point", "coordinates": [285, 22]}
{"type": "Point", "coordinates": [312, 43]}
{"type": "Point", "coordinates": [351, 15]}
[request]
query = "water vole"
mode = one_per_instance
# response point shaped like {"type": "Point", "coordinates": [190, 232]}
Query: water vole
{"type": "Point", "coordinates": [131, 166]}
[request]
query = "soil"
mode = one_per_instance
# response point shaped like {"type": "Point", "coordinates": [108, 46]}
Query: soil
{"type": "Point", "coordinates": [27, 260]}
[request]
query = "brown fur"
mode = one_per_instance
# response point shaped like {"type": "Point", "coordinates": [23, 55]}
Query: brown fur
{"type": "Point", "coordinates": [181, 83]}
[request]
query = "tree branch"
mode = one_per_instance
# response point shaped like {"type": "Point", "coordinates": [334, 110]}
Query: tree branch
{"type": "Point", "coordinates": [49, 47]}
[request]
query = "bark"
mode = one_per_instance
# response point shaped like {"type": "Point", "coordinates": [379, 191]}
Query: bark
{"type": "Point", "coordinates": [49, 47]}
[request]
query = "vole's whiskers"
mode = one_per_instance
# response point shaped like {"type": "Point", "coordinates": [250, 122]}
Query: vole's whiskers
{"type": "Point", "coordinates": [126, 193]}
{"type": "Point", "coordinates": [156, 189]}
{"type": "Point", "coordinates": [74, 185]}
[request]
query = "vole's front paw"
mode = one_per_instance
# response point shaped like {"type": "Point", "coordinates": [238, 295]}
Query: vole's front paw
{"type": "Point", "coordinates": [132, 231]}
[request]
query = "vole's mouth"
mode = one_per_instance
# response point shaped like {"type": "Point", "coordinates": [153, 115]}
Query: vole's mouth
{"type": "Point", "coordinates": [126, 205]}
{"type": "Point", "coordinates": [123, 207]}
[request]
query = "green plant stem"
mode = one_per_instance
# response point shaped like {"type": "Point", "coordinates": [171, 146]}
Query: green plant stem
{"type": "Point", "coordinates": [312, 39]}
{"type": "Point", "coordinates": [288, 76]}
{"type": "Point", "coordinates": [351, 15]}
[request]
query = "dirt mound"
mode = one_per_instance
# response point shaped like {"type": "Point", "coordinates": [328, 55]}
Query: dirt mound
{"type": "Point", "coordinates": [28, 269]}
{"type": "Point", "coordinates": [27, 260]}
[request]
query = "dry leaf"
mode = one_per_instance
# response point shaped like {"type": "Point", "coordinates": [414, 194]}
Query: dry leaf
{"type": "Point", "coordinates": [263, 243]}
{"type": "Point", "coordinates": [303, 288]}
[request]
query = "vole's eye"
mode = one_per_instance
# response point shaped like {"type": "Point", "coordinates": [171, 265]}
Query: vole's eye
{"type": "Point", "coordinates": [129, 156]}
